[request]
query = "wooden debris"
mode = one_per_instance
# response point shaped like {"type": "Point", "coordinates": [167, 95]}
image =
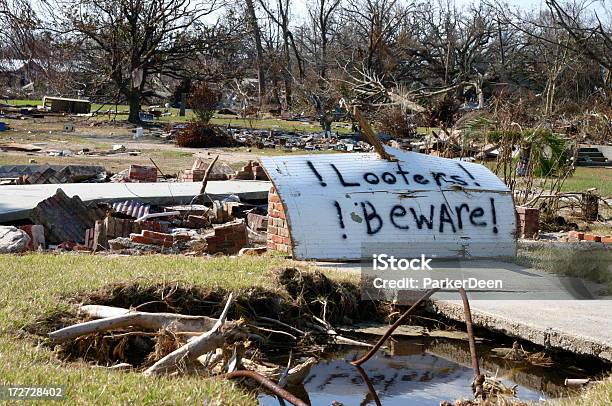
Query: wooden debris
{"type": "Point", "coordinates": [114, 318]}
{"type": "Point", "coordinates": [207, 342]}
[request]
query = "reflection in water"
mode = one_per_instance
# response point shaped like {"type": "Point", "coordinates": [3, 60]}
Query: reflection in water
{"type": "Point", "coordinates": [412, 377]}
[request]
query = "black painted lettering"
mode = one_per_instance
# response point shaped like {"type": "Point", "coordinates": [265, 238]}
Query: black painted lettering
{"type": "Point", "coordinates": [458, 210]}
{"type": "Point", "coordinates": [398, 211]}
{"type": "Point", "coordinates": [437, 176]}
{"type": "Point", "coordinates": [468, 173]}
{"type": "Point", "coordinates": [389, 178]}
{"type": "Point", "coordinates": [403, 173]}
{"type": "Point", "coordinates": [340, 218]}
{"type": "Point", "coordinates": [420, 179]}
{"type": "Point", "coordinates": [494, 215]}
{"type": "Point", "coordinates": [341, 178]}
{"type": "Point", "coordinates": [445, 217]}
{"type": "Point", "coordinates": [477, 213]}
{"type": "Point", "coordinates": [317, 174]}
{"type": "Point", "coordinates": [458, 179]}
{"type": "Point", "coordinates": [371, 178]}
{"type": "Point", "coordinates": [371, 216]}
{"type": "Point", "coordinates": [420, 220]}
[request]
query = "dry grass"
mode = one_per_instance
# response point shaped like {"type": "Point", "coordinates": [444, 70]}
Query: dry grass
{"type": "Point", "coordinates": [597, 395]}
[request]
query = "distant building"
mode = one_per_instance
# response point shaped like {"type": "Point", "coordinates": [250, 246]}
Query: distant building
{"type": "Point", "coordinates": [18, 73]}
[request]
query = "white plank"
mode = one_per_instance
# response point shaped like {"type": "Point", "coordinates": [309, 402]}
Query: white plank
{"type": "Point", "coordinates": [338, 204]}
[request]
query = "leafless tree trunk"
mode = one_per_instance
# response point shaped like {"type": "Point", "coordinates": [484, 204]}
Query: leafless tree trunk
{"type": "Point", "coordinates": [259, 61]}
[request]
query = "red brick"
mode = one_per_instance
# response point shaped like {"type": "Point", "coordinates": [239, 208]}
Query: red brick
{"type": "Point", "coordinates": [607, 239]}
{"type": "Point", "coordinates": [213, 239]}
{"type": "Point", "coordinates": [157, 236]}
{"type": "Point", "coordinates": [526, 210]}
{"type": "Point", "coordinates": [182, 237]}
{"type": "Point", "coordinates": [153, 226]}
{"type": "Point", "coordinates": [277, 239]}
{"type": "Point", "coordinates": [140, 239]}
{"type": "Point", "coordinates": [592, 237]}
{"type": "Point", "coordinates": [142, 173]}
{"type": "Point", "coordinates": [576, 234]}
{"type": "Point", "coordinates": [197, 221]}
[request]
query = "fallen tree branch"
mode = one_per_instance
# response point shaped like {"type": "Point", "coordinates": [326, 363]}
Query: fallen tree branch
{"type": "Point", "coordinates": [196, 347]}
{"type": "Point", "coordinates": [280, 323]}
{"type": "Point", "coordinates": [115, 317]}
{"type": "Point", "coordinates": [269, 330]}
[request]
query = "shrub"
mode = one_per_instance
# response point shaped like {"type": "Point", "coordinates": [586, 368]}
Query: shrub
{"type": "Point", "coordinates": [203, 101]}
{"type": "Point", "coordinates": [200, 135]}
{"type": "Point", "coordinates": [395, 122]}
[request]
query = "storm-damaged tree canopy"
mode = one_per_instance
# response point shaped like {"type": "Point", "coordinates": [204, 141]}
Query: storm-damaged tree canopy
{"type": "Point", "coordinates": [131, 42]}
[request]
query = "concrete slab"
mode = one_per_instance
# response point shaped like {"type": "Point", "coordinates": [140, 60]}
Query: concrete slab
{"type": "Point", "coordinates": [533, 305]}
{"type": "Point", "coordinates": [16, 202]}
{"type": "Point", "coordinates": [579, 326]}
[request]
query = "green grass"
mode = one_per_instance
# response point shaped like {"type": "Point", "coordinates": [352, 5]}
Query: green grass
{"type": "Point", "coordinates": [586, 178]}
{"type": "Point", "coordinates": [36, 285]}
{"type": "Point", "coordinates": [581, 180]}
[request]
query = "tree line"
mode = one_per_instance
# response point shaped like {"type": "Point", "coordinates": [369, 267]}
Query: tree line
{"type": "Point", "coordinates": [413, 56]}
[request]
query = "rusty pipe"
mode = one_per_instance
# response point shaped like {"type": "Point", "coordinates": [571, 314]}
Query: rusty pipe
{"type": "Point", "coordinates": [478, 379]}
{"type": "Point", "coordinates": [391, 329]}
{"type": "Point", "coordinates": [371, 389]}
{"type": "Point", "coordinates": [266, 383]}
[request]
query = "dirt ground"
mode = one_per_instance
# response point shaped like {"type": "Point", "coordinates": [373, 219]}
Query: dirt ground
{"type": "Point", "coordinates": [48, 134]}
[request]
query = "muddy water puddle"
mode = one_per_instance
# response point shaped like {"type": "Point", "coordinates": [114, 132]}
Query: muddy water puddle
{"type": "Point", "coordinates": [416, 372]}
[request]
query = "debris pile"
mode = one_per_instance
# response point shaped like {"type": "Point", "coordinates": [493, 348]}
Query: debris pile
{"type": "Point", "coordinates": [294, 141]}
{"type": "Point", "coordinates": [50, 174]}
{"type": "Point", "coordinates": [183, 330]}
{"type": "Point", "coordinates": [220, 171]}
{"type": "Point", "coordinates": [135, 227]}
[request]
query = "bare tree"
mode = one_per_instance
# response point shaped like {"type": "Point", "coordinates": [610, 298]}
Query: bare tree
{"type": "Point", "coordinates": [591, 36]}
{"type": "Point", "coordinates": [131, 41]}
{"type": "Point", "coordinates": [322, 15]}
{"type": "Point", "coordinates": [259, 59]}
{"type": "Point", "coordinates": [17, 24]}
{"type": "Point", "coordinates": [281, 16]}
